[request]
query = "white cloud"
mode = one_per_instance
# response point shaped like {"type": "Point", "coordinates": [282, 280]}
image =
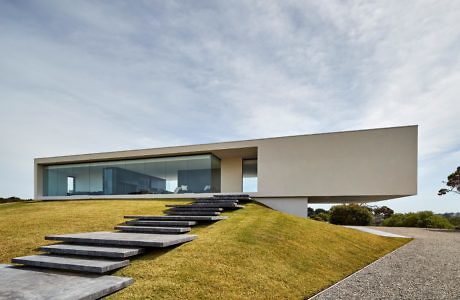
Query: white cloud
{"type": "Point", "coordinates": [95, 76]}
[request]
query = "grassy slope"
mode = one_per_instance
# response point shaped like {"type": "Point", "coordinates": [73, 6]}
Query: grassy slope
{"type": "Point", "coordinates": [257, 253]}
{"type": "Point", "coordinates": [24, 225]}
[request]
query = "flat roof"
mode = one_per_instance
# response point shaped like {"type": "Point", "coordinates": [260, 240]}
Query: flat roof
{"type": "Point", "coordinates": [242, 148]}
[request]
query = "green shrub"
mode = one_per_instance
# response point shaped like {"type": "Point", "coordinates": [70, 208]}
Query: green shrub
{"type": "Point", "coordinates": [454, 219]}
{"type": "Point", "coordinates": [395, 220]}
{"type": "Point", "coordinates": [351, 214]}
{"type": "Point", "coordinates": [422, 219]}
{"type": "Point", "coordinates": [322, 216]}
{"type": "Point", "coordinates": [436, 221]}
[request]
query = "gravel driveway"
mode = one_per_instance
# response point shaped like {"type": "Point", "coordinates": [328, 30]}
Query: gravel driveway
{"type": "Point", "coordinates": [426, 268]}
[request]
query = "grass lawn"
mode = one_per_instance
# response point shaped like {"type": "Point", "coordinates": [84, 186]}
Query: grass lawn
{"type": "Point", "coordinates": [258, 253]}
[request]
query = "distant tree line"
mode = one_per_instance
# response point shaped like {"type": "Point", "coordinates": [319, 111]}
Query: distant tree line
{"type": "Point", "coordinates": [12, 199]}
{"type": "Point", "coordinates": [423, 219]}
{"type": "Point", "coordinates": [454, 219]}
{"type": "Point", "coordinates": [363, 215]}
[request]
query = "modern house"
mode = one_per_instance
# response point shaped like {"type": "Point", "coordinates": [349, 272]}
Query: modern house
{"type": "Point", "coordinates": [285, 173]}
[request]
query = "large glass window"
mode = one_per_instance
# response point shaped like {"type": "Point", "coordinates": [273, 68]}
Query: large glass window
{"type": "Point", "coordinates": [165, 175]}
{"type": "Point", "coordinates": [249, 175]}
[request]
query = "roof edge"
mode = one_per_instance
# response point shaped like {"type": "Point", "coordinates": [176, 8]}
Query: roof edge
{"type": "Point", "coordinates": [225, 142]}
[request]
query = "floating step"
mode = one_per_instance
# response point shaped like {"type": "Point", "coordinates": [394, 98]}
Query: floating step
{"type": "Point", "coordinates": [229, 199]}
{"type": "Point", "coordinates": [226, 200]}
{"type": "Point", "coordinates": [190, 208]}
{"type": "Point", "coordinates": [216, 201]}
{"type": "Point", "coordinates": [244, 196]}
{"type": "Point", "coordinates": [124, 238]}
{"type": "Point", "coordinates": [152, 229]}
{"type": "Point", "coordinates": [214, 205]}
{"type": "Point", "coordinates": [71, 263]}
{"type": "Point", "coordinates": [31, 283]}
{"type": "Point", "coordinates": [192, 213]}
{"type": "Point", "coordinates": [161, 223]}
{"type": "Point", "coordinates": [179, 218]}
{"type": "Point", "coordinates": [89, 250]}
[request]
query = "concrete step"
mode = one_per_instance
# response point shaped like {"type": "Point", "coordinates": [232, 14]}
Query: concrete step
{"type": "Point", "coordinates": [36, 283]}
{"type": "Point", "coordinates": [229, 199]}
{"type": "Point", "coordinates": [124, 238]}
{"type": "Point", "coordinates": [152, 229]}
{"type": "Point", "coordinates": [192, 213]}
{"type": "Point", "coordinates": [224, 206]}
{"type": "Point", "coordinates": [179, 218]}
{"type": "Point", "coordinates": [232, 196]}
{"type": "Point", "coordinates": [226, 200]}
{"type": "Point", "coordinates": [216, 201]}
{"type": "Point", "coordinates": [190, 208]}
{"type": "Point", "coordinates": [90, 250]}
{"type": "Point", "coordinates": [214, 205]}
{"type": "Point", "coordinates": [161, 223]}
{"type": "Point", "coordinates": [71, 263]}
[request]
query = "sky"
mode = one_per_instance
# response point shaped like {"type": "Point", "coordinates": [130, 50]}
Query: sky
{"type": "Point", "coordinates": [91, 76]}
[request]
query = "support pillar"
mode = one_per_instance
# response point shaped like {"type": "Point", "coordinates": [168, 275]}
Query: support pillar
{"type": "Point", "coordinates": [294, 206]}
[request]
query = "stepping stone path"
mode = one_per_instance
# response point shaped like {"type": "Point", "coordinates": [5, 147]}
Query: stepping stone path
{"type": "Point", "coordinates": [76, 267]}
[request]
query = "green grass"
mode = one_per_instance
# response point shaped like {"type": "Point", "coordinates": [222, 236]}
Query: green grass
{"type": "Point", "coordinates": [257, 253]}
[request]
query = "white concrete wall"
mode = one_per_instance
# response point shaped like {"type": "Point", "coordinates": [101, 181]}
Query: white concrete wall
{"type": "Point", "coordinates": [363, 164]}
{"type": "Point", "coordinates": [231, 170]}
{"type": "Point", "coordinates": [368, 162]}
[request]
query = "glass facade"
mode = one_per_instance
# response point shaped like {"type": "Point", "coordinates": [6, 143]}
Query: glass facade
{"type": "Point", "coordinates": [250, 175]}
{"type": "Point", "coordinates": [164, 175]}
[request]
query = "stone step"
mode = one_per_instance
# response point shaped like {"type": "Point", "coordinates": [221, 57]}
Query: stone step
{"type": "Point", "coordinates": [192, 213]}
{"type": "Point", "coordinates": [229, 199]}
{"type": "Point", "coordinates": [179, 218]}
{"type": "Point", "coordinates": [161, 223]}
{"type": "Point", "coordinates": [216, 201]}
{"type": "Point", "coordinates": [71, 263]}
{"type": "Point", "coordinates": [90, 250]}
{"type": "Point", "coordinates": [226, 200]}
{"type": "Point", "coordinates": [214, 205]}
{"type": "Point", "coordinates": [190, 208]}
{"type": "Point", "coordinates": [124, 238]}
{"type": "Point", "coordinates": [152, 229]}
{"type": "Point", "coordinates": [35, 283]}
{"type": "Point", "coordinates": [232, 196]}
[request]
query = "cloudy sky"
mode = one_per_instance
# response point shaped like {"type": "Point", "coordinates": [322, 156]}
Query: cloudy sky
{"type": "Point", "coordinates": [90, 76]}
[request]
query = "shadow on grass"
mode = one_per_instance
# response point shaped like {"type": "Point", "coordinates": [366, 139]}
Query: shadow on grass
{"type": "Point", "coordinates": [153, 253]}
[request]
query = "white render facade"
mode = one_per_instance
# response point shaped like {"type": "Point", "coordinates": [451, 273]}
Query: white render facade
{"type": "Point", "coordinates": [285, 173]}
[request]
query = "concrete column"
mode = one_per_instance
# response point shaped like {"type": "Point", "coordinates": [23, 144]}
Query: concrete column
{"type": "Point", "coordinates": [293, 206]}
{"type": "Point", "coordinates": [38, 181]}
{"type": "Point", "coordinates": [231, 175]}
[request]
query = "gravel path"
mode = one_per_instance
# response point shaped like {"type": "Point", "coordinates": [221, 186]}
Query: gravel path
{"type": "Point", "coordinates": [426, 268]}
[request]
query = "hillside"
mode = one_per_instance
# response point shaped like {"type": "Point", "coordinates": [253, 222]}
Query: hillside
{"type": "Point", "coordinates": [256, 253]}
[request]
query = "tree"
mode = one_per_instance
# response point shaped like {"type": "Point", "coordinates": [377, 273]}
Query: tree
{"type": "Point", "coordinates": [320, 210]}
{"type": "Point", "coordinates": [351, 214]}
{"type": "Point", "coordinates": [383, 211]}
{"type": "Point", "coordinates": [322, 216]}
{"type": "Point", "coordinates": [453, 183]}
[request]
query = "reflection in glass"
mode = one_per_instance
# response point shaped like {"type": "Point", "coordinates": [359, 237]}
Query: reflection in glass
{"type": "Point", "coordinates": [249, 175]}
{"type": "Point", "coordinates": [70, 184]}
{"type": "Point", "coordinates": [166, 175]}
